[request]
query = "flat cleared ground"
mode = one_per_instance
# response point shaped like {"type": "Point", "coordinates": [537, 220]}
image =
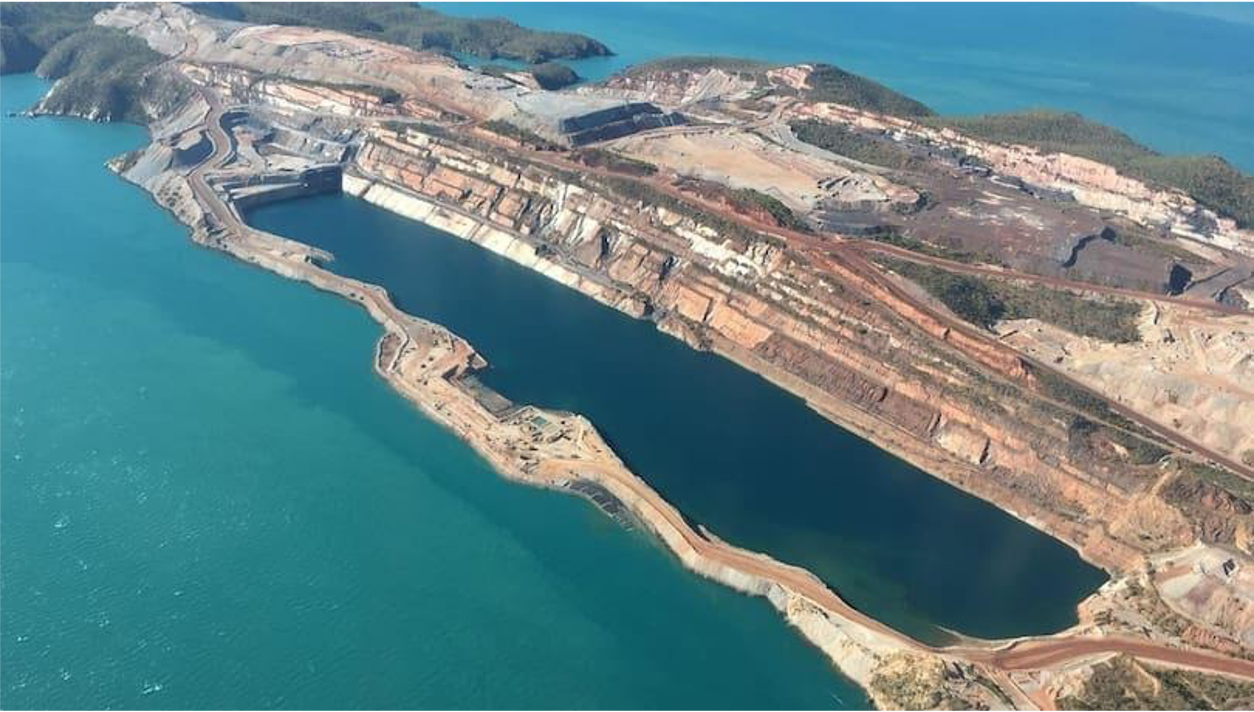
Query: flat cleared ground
{"type": "Point", "coordinates": [745, 160]}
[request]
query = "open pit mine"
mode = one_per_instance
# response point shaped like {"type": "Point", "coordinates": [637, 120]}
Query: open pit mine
{"type": "Point", "coordinates": [1108, 400]}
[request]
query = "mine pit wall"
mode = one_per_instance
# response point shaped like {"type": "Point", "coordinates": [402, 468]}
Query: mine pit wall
{"type": "Point", "coordinates": [749, 303]}
{"type": "Point", "coordinates": [833, 345]}
{"type": "Point", "coordinates": [490, 238]}
{"type": "Point", "coordinates": [859, 650]}
{"type": "Point", "coordinates": [320, 180]}
{"type": "Point", "coordinates": [1086, 181]}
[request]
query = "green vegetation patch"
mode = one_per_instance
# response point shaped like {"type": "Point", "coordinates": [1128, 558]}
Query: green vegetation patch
{"type": "Point", "coordinates": [28, 30]}
{"type": "Point", "coordinates": [1048, 130]}
{"type": "Point", "coordinates": [102, 73]}
{"type": "Point", "coordinates": [1143, 446]}
{"type": "Point", "coordinates": [1230, 482]}
{"type": "Point", "coordinates": [1081, 399]}
{"type": "Point", "coordinates": [418, 28]}
{"type": "Point", "coordinates": [1210, 180]}
{"type": "Point", "coordinates": [985, 301]}
{"type": "Point", "coordinates": [695, 63]}
{"type": "Point", "coordinates": [857, 145]}
{"type": "Point", "coordinates": [835, 85]}
{"type": "Point", "coordinates": [601, 158]}
{"type": "Point", "coordinates": [891, 236]}
{"type": "Point", "coordinates": [44, 24]}
{"type": "Point", "coordinates": [1082, 433]}
{"type": "Point", "coordinates": [107, 74]}
{"type": "Point", "coordinates": [402, 127]}
{"type": "Point", "coordinates": [97, 48]}
{"type": "Point", "coordinates": [1123, 684]}
{"type": "Point", "coordinates": [17, 52]}
{"type": "Point", "coordinates": [748, 199]}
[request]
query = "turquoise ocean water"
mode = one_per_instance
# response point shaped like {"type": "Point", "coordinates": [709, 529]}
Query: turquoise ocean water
{"type": "Point", "coordinates": [208, 500]}
{"type": "Point", "coordinates": [1178, 82]}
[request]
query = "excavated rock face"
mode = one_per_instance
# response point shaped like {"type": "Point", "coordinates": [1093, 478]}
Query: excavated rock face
{"type": "Point", "coordinates": [683, 86]}
{"type": "Point", "coordinates": [829, 327]}
{"type": "Point", "coordinates": [1048, 214]}
{"type": "Point", "coordinates": [1087, 182]}
{"type": "Point", "coordinates": [1191, 370]}
{"type": "Point", "coordinates": [1222, 517]}
{"type": "Point", "coordinates": [829, 333]}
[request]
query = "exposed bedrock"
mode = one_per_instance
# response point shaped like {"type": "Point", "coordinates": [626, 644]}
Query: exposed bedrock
{"type": "Point", "coordinates": [415, 134]}
{"type": "Point", "coordinates": [854, 358]}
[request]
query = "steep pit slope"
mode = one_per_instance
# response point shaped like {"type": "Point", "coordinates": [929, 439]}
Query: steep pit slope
{"type": "Point", "coordinates": [1191, 369]}
{"type": "Point", "coordinates": [1213, 181]}
{"type": "Point", "coordinates": [1050, 172]}
{"type": "Point", "coordinates": [818, 321]}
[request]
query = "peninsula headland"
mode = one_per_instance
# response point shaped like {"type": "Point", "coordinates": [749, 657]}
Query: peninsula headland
{"type": "Point", "coordinates": [1031, 307]}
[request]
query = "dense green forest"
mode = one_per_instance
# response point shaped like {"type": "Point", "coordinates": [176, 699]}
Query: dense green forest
{"type": "Point", "coordinates": [553, 75]}
{"type": "Point", "coordinates": [28, 30]}
{"type": "Point", "coordinates": [833, 84]}
{"type": "Point", "coordinates": [104, 73]}
{"type": "Point", "coordinates": [859, 146]}
{"type": "Point", "coordinates": [17, 52]}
